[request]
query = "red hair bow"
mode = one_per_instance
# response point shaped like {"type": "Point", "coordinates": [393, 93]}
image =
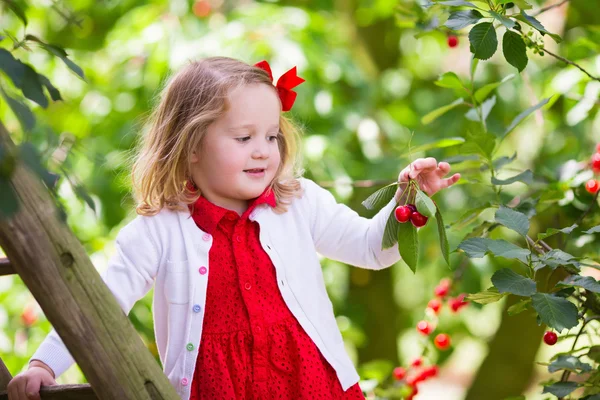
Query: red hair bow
{"type": "Point", "coordinates": [284, 86]}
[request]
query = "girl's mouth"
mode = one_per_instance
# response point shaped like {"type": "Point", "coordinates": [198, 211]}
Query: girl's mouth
{"type": "Point", "coordinates": [256, 172]}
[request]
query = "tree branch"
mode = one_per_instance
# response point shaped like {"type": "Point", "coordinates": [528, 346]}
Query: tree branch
{"type": "Point", "coordinates": [543, 10]}
{"type": "Point", "coordinates": [571, 63]}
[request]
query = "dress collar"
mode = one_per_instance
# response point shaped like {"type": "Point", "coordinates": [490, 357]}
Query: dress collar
{"type": "Point", "coordinates": [208, 215]}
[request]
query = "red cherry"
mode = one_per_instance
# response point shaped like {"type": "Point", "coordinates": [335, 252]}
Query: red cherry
{"type": "Point", "coordinates": [592, 186]}
{"type": "Point", "coordinates": [596, 161]}
{"type": "Point", "coordinates": [598, 148]}
{"type": "Point", "coordinates": [402, 214]}
{"type": "Point", "coordinates": [418, 219]}
{"type": "Point", "coordinates": [452, 41]}
{"type": "Point", "coordinates": [457, 303]}
{"type": "Point", "coordinates": [28, 316]}
{"type": "Point", "coordinates": [416, 362]}
{"type": "Point", "coordinates": [442, 341]}
{"type": "Point", "coordinates": [201, 8]}
{"type": "Point", "coordinates": [424, 327]}
{"type": "Point", "coordinates": [430, 371]}
{"type": "Point", "coordinates": [442, 289]}
{"type": "Point", "coordinates": [435, 305]}
{"type": "Point", "coordinates": [413, 394]}
{"type": "Point", "coordinates": [412, 207]}
{"type": "Point", "coordinates": [550, 338]}
{"type": "Point", "coordinates": [399, 373]}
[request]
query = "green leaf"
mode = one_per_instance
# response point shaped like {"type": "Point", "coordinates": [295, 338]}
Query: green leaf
{"type": "Point", "coordinates": [32, 87]}
{"type": "Point", "coordinates": [21, 111]}
{"type": "Point", "coordinates": [442, 235]}
{"type": "Point", "coordinates": [486, 108]}
{"type": "Point", "coordinates": [14, 68]}
{"type": "Point", "coordinates": [390, 233]}
{"type": "Point", "coordinates": [479, 142]}
{"type": "Point", "coordinates": [462, 19]}
{"type": "Point", "coordinates": [483, 40]}
{"type": "Point", "coordinates": [525, 177]}
{"type": "Point", "coordinates": [537, 25]}
{"type": "Point", "coordinates": [512, 219]}
{"type": "Point", "coordinates": [522, 4]}
{"type": "Point", "coordinates": [82, 194]}
{"type": "Point", "coordinates": [54, 93]}
{"type": "Point", "coordinates": [488, 296]}
{"type": "Point", "coordinates": [507, 22]}
{"type": "Point", "coordinates": [595, 229]}
{"type": "Point", "coordinates": [449, 80]}
{"type": "Point", "coordinates": [508, 281]}
{"type": "Point", "coordinates": [594, 353]}
{"type": "Point", "coordinates": [424, 204]}
{"type": "Point", "coordinates": [556, 258]}
{"type": "Point", "coordinates": [519, 307]}
{"type": "Point", "coordinates": [457, 3]}
{"type": "Point", "coordinates": [514, 50]}
{"type": "Point", "coordinates": [30, 156]}
{"type": "Point", "coordinates": [9, 203]}
{"type": "Point", "coordinates": [60, 53]}
{"type": "Point", "coordinates": [16, 8]}
{"type": "Point", "coordinates": [474, 247]}
{"type": "Point", "coordinates": [561, 389]}
{"type": "Point", "coordinates": [469, 216]}
{"type": "Point", "coordinates": [502, 248]}
{"type": "Point", "coordinates": [570, 363]}
{"type": "Point", "coordinates": [555, 312]}
{"type": "Point", "coordinates": [479, 247]}
{"type": "Point", "coordinates": [435, 114]}
{"type": "Point", "coordinates": [553, 231]}
{"type": "Point", "coordinates": [381, 197]}
{"type": "Point", "coordinates": [524, 114]}
{"type": "Point", "coordinates": [408, 245]}
{"type": "Point", "coordinates": [482, 93]}
{"type": "Point", "coordinates": [586, 282]}
{"type": "Point", "coordinates": [438, 144]}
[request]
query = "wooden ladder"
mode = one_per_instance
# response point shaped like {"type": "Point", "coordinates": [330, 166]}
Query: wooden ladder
{"type": "Point", "coordinates": [56, 269]}
{"type": "Point", "coordinates": [59, 392]}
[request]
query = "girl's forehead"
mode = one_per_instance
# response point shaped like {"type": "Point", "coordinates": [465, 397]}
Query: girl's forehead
{"type": "Point", "coordinates": [253, 104]}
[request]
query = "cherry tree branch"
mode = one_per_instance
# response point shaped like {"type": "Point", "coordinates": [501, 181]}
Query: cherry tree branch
{"type": "Point", "coordinates": [543, 10]}
{"type": "Point", "coordinates": [571, 63]}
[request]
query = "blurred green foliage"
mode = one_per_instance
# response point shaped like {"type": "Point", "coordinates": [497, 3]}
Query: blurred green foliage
{"type": "Point", "coordinates": [370, 69]}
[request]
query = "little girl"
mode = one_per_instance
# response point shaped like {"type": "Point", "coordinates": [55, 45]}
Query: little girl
{"type": "Point", "coordinates": [228, 232]}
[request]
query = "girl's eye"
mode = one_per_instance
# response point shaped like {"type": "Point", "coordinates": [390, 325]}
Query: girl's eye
{"type": "Point", "coordinates": [243, 139]}
{"type": "Point", "coordinates": [273, 138]}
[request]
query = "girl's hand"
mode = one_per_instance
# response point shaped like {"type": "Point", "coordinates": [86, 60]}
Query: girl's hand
{"type": "Point", "coordinates": [428, 174]}
{"type": "Point", "coordinates": [26, 385]}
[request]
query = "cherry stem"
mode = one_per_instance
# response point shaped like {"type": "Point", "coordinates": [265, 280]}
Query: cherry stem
{"type": "Point", "coordinates": [566, 373]}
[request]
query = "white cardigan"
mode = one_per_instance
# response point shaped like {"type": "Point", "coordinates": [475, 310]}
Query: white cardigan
{"type": "Point", "coordinates": [168, 249]}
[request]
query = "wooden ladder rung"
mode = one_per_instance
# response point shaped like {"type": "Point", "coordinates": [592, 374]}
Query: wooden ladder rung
{"type": "Point", "coordinates": [5, 267]}
{"type": "Point", "coordinates": [63, 392]}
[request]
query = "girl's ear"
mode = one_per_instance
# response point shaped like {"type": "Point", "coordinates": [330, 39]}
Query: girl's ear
{"type": "Point", "coordinates": [194, 158]}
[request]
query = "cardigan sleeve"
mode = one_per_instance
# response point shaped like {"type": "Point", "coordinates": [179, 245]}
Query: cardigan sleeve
{"type": "Point", "coordinates": [129, 276]}
{"type": "Point", "coordinates": [339, 233]}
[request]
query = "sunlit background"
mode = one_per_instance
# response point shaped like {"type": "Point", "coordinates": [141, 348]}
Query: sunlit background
{"type": "Point", "coordinates": [370, 76]}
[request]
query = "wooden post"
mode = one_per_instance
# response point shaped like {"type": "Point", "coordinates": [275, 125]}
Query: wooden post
{"type": "Point", "coordinates": [56, 269]}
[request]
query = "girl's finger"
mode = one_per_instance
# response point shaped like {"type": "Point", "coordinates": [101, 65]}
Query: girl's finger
{"type": "Point", "coordinates": [450, 181]}
{"type": "Point", "coordinates": [422, 165]}
{"type": "Point", "coordinates": [442, 170]}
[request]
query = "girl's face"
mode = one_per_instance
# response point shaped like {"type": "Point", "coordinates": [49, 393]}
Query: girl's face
{"type": "Point", "coordinates": [240, 155]}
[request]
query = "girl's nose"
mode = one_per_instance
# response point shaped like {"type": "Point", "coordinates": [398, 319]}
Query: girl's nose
{"type": "Point", "coordinates": [261, 150]}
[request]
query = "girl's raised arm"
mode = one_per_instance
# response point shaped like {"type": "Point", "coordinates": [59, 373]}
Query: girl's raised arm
{"type": "Point", "coordinates": [339, 233]}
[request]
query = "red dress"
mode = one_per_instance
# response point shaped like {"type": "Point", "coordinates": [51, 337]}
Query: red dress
{"type": "Point", "coordinates": [252, 347]}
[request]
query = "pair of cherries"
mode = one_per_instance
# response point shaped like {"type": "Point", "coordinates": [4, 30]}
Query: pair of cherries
{"type": "Point", "coordinates": [409, 213]}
